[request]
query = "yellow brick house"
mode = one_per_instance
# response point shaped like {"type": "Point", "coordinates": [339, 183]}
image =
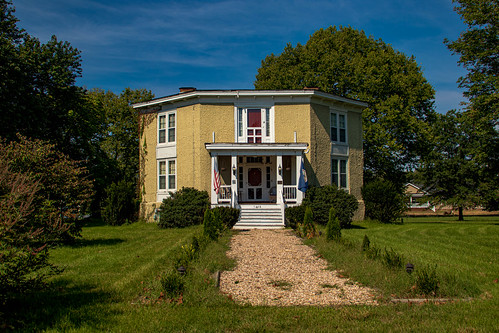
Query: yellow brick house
{"type": "Point", "coordinates": [246, 148]}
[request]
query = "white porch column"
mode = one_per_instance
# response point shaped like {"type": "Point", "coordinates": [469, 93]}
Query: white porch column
{"type": "Point", "coordinates": [299, 194]}
{"type": "Point", "coordinates": [279, 186]}
{"type": "Point", "coordinates": [234, 197]}
{"type": "Point", "coordinates": [214, 195]}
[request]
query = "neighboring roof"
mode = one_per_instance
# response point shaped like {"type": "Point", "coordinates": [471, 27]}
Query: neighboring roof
{"type": "Point", "coordinates": [419, 188]}
{"type": "Point", "coordinates": [192, 93]}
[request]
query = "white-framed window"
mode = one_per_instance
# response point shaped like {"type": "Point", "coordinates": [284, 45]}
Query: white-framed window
{"type": "Point", "coordinates": [339, 173]}
{"type": "Point", "coordinates": [167, 175]}
{"type": "Point", "coordinates": [254, 124]}
{"type": "Point", "coordinates": [166, 127]}
{"type": "Point", "coordinates": [338, 123]}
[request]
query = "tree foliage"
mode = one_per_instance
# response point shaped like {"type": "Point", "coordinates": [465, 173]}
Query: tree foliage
{"type": "Point", "coordinates": [117, 151]}
{"type": "Point", "coordinates": [42, 196]}
{"type": "Point", "coordinates": [451, 172]}
{"type": "Point", "coordinates": [384, 200]}
{"type": "Point", "coordinates": [478, 48]}
{"type": "Point", "coordinates": [345, 62]}
{"type": "Point", "coordinates": [321, 199]}
{"type": "Point", "coordinates": [23, 240]}
{"type": "Point", "coordinates": [472, 147]}
{"type": "Point", "coordinates": [38, 95]}
{"type": "Point", "coordinates": [63, 186]}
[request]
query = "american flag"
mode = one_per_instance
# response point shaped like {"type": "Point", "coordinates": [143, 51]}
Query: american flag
{"type": "Point", "coordinates": [216, 177]}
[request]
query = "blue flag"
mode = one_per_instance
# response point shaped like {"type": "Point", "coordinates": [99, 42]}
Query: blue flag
{"type": "Point", "coordinates": [303, 181]}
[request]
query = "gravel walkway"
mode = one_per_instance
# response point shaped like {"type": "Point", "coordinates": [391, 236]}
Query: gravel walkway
{"type": "Point", "coordinates": [275, 268]}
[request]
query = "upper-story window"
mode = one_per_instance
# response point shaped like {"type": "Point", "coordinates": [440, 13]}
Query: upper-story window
{"type": "Point", "coordinates": [166, 127]}
{"type": "Point", "coordinates": [338, 127]}
{"type": "Point", "coordinates": [255, 125]}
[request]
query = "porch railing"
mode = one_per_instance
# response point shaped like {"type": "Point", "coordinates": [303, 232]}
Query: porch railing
{"type": "Point", "coordinates": [224, 193]}
{"type": "Point", "coordinates": [289, 192]}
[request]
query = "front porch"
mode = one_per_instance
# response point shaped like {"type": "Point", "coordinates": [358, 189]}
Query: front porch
{"type": "Point", "coordinates": [245, 175]}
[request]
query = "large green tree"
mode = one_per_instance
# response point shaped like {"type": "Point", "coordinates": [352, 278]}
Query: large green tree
{"type": "Point", "coordinates": [478, 48]}
{"type": "Point", "coordinates": [450, 172]}
{"type": "Point", "coordinates": [38, 95]}
{"type": "Point", "coordinates": [118, 152]}
{"type": "Point", "coordinates": [345, 62]}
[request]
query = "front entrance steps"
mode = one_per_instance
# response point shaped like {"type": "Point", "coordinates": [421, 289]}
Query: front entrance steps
{"type": "Point", "coordinates": [260, 216]}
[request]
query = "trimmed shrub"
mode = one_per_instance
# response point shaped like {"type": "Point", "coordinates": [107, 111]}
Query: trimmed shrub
{"type": "Point", "coordinates": [321, 199]}
{"type": "Point", "coordinates": [333, 228]}
{"type": "Point", "coordinates": [120, 205]}
{"type": "Point", "coordinates": [210, 230]}
{"type": "Point", "coordinates": [384, 201]}
{"type": "Point", "coordinates": [184, 208]}
{"type": "Point", "coordinates": [228, 215]}
{"type": "Point", "coordinates": [308, 227]}
{"type": "Point", "coordinates": [294, 216]}
{"type": "Point", "coordinates": [217, 222]}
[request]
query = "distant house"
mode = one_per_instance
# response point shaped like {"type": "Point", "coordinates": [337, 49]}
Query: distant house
{"type": "Point", "coordinates": [416, 196]}
{"type": "Point", "coordinates": [246, 148]}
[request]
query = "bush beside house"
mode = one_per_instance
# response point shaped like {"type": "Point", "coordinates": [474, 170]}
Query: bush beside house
{"type": "Point", "coordinates": [184, 208]}
{"type": "Point", "coordinates": [321, 199]}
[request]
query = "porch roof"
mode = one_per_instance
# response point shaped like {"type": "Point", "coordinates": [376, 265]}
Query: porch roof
{"type": "Point", "coordinates": [256, 148]}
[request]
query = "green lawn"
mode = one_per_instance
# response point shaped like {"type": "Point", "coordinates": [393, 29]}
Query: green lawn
{"type": "Point", "coordinates": [108, 273]}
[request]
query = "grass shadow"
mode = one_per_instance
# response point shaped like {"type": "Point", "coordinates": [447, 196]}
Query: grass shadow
{"type": "Point", "coordinates": [62, 305]}
{"type": "Point", "coordinates": [92, 222]}
{"type": "Point", "coordinates": [354, 226]}
{"type": "Point", "coordinates": [96, 242]}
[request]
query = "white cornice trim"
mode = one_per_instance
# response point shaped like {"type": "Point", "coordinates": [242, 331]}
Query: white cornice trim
{"type": "Point", "coordinates": [233, 96]}
{"type": "Point", "coordinates": [258, 147]}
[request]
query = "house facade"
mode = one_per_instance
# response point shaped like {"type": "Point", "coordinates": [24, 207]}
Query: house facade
{"type": "Point", "coordinates": [249, 148]}
{"type": "Point", "coordinates": [417, 197]}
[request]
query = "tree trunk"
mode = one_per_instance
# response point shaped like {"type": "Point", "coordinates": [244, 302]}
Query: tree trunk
{"type": "Point", "coordinates": [461, 218]}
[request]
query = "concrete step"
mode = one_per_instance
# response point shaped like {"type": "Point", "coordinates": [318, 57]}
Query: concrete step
{"type": "Point", "coordinates": [254, 216]}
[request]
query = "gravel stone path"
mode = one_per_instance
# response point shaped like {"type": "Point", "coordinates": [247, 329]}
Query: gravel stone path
{"type": "Point", "coordinates": [275, 268]}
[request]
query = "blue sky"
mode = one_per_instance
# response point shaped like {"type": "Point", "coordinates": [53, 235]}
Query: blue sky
{"type": "Point", "coordinates": [164, 45]}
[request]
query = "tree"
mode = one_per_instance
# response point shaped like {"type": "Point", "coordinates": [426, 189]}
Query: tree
{"type": "Point", "coordinates": [345, 62]}
{"type": "Point", "coordinates": [450, 172]}
{"type": "Point", "coordinates": [478, 48]}
{"type": "Point", "coordinates": [63, 187]}
{"type": "Point", "coordinates": [23, 246]}
{"type": "Point", "coordinates": [117, 144]}
{"type": "Point", "coordinates": [384, 201]}
{"type": "Point", "coordinates": [38, 95]}
{"type": "Point", "coordinates": [42, 196]}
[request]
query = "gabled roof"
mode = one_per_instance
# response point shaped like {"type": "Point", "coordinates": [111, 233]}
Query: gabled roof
{"type": "Point", "coordinates": [419, 188]}
{"type": "Point", "coordinates": [226, 95]}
